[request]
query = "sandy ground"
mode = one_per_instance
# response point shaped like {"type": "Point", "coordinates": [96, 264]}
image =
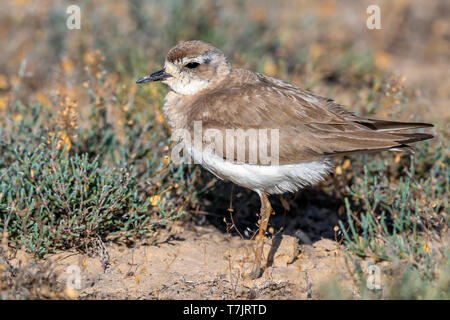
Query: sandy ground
{"type": "Point", "coordinates": [191, 262]}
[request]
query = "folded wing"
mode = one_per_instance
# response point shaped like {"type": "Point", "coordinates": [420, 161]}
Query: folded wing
{"type": "Point", "coordinates": [310, 127]}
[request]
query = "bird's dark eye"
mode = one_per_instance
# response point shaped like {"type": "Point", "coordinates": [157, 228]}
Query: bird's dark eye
{"type": "Point", "coordinates": [192, 65]}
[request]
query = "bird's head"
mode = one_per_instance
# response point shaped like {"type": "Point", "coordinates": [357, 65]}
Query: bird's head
{"type": "Point", "coordinates": [190, 67]}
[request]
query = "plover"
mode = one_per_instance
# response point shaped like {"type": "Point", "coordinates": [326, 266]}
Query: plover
{"type": "Point", "coordinates": [312, 130]}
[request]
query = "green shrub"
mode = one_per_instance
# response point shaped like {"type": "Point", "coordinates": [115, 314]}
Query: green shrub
{"type": "Point", "coordinates": [51, 201]}
{"type": "Point", "coordinates": [63, 187]}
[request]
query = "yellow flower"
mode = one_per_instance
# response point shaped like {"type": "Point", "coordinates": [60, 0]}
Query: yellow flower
{"type": "Point", "coordinates": [346, 164]}
{"type": "Point", "coordinates": [3, 104]}
{"type": "Point", "coordinates": [440, 163]}
{"type": "Point", "coordinates": [160, 118]}
{"type": "Point", "coordinates": [89, 58]}
{"type": "Point", "coordinates": [64, 141]}
{"type": "Point", "coordinates": [166, 160]}
{"type": "Point", "coordinates": [154, 200]}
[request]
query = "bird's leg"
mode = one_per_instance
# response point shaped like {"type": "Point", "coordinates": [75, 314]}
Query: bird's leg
{"type": "Point", "coordinates": [266, 211]}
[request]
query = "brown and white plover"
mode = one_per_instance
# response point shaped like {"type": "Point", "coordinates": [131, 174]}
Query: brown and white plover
{"type": "Point", "coordinates": [310, 130]}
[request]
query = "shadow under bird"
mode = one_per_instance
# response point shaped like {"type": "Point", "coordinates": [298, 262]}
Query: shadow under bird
{"type": "Point", "coordinates": [312, 130]}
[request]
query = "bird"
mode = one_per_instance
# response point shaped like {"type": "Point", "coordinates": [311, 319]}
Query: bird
{"type": "Point", "coordinates": [311, 130]}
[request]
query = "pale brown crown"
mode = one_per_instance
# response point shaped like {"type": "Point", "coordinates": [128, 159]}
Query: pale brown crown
{"type": "Point", "coordinates": [189, 49]}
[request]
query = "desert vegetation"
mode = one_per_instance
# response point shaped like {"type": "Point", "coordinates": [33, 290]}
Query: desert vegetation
{"type": "Point", "coordinates": [85, 152]}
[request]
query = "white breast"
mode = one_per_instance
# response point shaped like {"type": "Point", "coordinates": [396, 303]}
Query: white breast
{"type": "Point", "coordinates": [271, 179]}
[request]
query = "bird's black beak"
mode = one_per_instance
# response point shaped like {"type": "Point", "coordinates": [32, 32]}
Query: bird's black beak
{"type": "Point", "coordinates": [157, 76]}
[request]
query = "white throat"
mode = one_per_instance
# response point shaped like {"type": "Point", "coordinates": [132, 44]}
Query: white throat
{"type": "Point", "coordinates": [185, 85]}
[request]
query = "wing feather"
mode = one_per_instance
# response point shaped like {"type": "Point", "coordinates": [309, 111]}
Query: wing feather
{"type": "Point", "coordinates": [310, 127]}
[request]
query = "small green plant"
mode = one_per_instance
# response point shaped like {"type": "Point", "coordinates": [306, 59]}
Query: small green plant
{"type": "Point", "coordinates": [49, 200]}
{"type": "Point", "coordinates": [387, 221]}
{"type": "Point", "coordinates": [64, 187]}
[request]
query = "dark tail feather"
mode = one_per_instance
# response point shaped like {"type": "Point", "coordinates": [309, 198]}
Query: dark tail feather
{"type": "Point", "coordinates": [409, 138]}
{"type": "Point", "coordinates": [413, 137]}
{"type": "Point", "coordinates": [385, 125]}
{"type": "Point", "coordinates": [404, 139]}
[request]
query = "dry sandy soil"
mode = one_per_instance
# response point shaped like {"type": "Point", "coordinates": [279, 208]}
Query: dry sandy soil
{"type": "Point", "coordinates": [191, 262]}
